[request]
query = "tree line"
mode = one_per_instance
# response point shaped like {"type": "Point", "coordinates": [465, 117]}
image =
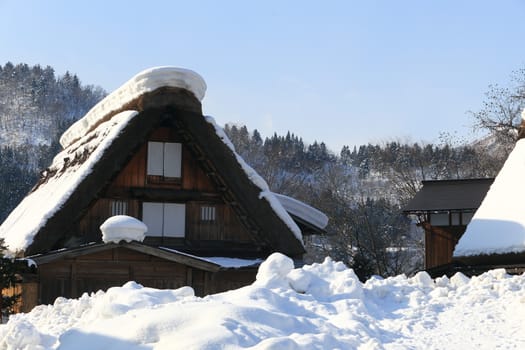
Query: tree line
{"type": "Point", "coordinates": [36, 107]}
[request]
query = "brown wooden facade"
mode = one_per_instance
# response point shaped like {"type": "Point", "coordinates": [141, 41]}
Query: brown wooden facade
{"type": "Point", "coordinates": [132, 186]}
{"type": "Point", "coordinates": [440, 243]}
{"type": "Point", "coordinates": [89, 269]}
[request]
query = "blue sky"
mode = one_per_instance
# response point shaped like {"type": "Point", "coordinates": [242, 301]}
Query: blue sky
{"type": "Point", "coordinates": [342, 72]}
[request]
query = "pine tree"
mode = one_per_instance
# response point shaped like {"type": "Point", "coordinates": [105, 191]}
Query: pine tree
{"type": "Point", "coordinates": [8, 279]}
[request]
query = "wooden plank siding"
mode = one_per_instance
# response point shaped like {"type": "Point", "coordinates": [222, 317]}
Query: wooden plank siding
{"type": "Point", "coordinates": [195, 189]}
{"type": "Point", "coordinates": [100, 270]}
{"type": "Point", "coordinates": [440, 243]}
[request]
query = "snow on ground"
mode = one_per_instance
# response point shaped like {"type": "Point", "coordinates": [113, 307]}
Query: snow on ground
{"type": "Point", "coordinates": [498, 226]}
{"type": "Point", "coordinates": [320, 306]}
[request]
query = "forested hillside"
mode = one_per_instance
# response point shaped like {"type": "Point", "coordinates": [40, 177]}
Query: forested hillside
{"type": "Point", "coordinates": [36, 106]}
{"type": "Point", "coordinates": [362, 189]}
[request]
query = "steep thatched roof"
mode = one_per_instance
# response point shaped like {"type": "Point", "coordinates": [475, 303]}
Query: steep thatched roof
{"type": "Point", "coordinates": [95, 155]}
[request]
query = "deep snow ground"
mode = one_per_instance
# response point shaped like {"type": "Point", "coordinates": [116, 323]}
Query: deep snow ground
{"type": "Point", "coordinates": [320, 306]}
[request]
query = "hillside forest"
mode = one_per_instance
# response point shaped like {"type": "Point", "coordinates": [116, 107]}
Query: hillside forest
{"type": "Point", "coordinates": [362, 189]}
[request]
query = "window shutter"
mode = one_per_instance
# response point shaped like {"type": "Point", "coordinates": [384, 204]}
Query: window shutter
{"type": "Point", "coordinates": [172, 159]}
{"type": "Point", "coordinates": [155, 158]}
{"type": "Point", "coordinates": [152, 214]}
{"type": "Point", "coordinates": [174, 219]}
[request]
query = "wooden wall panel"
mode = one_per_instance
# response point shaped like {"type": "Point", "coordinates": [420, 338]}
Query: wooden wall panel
{"type": "Point", "coordinates": [226, 227]}
{"type": "Point", "coordinates": [101, 270]}
{"type": "Point", "coordinates": [440, 243]}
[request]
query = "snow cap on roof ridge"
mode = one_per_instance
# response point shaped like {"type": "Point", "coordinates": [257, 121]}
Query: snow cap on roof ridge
{"type": "Point", "coordinates": [145, 81]}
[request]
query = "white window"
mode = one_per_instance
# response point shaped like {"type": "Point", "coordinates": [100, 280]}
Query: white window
{"type": "Point", "coordinates": [207, 213]}
{"type": "Point", "coordinates": [164, 159]}
{"type": "Point", "coordinates": [119, 208]}
{"type": "Point", "coordinates": [164, 219]}
{"type": "Point", "coordinates": [439, 219]}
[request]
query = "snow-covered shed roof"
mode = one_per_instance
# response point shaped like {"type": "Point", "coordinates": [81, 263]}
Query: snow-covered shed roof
{"type": "Point", "coordinates": [96, 149]}
{"type": "Point", "coordinates": [302, 212]}
{"type": "Point", "coordinates": [498, 226]}
{"type": "Point", "coordinates": [212, 264]}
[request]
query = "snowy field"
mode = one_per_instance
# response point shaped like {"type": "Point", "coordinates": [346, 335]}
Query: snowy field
{"type": "Point", "coordinates": [320, 306]}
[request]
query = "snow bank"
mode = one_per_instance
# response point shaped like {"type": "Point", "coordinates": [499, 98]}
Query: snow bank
{"type": "Point", "coordinates": [319, 306]}
{"type": "Point", "coordinates": [66, 172]}
{"type": "Point", "coordinates": [498, 226]}
{"type": "Point", "coordinates": [123, 228]}
{"type": "Point", "coordinates": [146, 81]}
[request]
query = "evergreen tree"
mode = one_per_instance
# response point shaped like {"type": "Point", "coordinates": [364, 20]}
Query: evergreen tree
{"type": "Point", "coordinates": [8, 279]}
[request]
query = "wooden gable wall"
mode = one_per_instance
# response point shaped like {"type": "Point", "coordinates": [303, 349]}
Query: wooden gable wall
{"type": "Point", "coordinates": [226, 234]}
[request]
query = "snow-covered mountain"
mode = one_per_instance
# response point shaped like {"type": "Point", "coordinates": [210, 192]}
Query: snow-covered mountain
{"type": "Point", "coordinates": [36, 105]}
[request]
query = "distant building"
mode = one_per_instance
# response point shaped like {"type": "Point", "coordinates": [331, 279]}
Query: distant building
{"type": "Point", "coordinates": [443, 209]}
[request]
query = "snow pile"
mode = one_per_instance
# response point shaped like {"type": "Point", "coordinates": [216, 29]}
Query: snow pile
{"type": "Point", "coordinates": [146, 81]}
{"type": "Point", "coordinates": [498, 226]}
{"type": "Point", "coordinates": [321, 306]}
{"type": "Point", "coordinates": [123, 228]}
{"type": "Point", "coordinates": [64, 175]}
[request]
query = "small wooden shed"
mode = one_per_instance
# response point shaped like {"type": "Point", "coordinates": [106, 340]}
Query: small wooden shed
{"type": "Point", "coordinates": [89, 268]}
{"type": "Point", "coordinates": [444, 208]}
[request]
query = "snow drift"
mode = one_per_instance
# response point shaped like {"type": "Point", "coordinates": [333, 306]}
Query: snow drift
{"type": "Point", "coordinates": [319, 306]}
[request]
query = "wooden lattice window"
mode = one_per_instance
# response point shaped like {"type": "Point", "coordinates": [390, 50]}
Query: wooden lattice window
{"type": "Point", "coordinates": [208, 213]}
{"type": "Point", "coordinates": [118, 207]}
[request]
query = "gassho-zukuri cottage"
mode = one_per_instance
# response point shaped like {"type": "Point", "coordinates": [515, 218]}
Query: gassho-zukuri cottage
{"type": "Point", "coordinates": [475, 225]}
{"type": "Point", "coordinates": [183, 206]}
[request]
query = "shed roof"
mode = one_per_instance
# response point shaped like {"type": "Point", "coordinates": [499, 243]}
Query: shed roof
{"type": "Point", "coordinates": [437, 195]}
{"type": "Point", "coordinates": [170, 255]}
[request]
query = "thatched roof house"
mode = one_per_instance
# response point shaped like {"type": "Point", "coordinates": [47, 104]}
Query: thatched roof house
{"type": "Point", "coordinates": [147, 151]}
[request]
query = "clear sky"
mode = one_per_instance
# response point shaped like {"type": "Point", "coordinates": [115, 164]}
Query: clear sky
{"type": "Point", "coordinates": [343, 72]}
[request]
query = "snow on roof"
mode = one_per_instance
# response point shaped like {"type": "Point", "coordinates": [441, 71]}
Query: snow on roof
{"type": "Point", "coordinates": [146, 81]}
{"type": "Point", "coordinates": [498, 226]}
{"type": "Point", "coordinates": [303, 211]}
{"type": "Point", "coordinates": [258, 181]}
{"type": "Point", "coordinates": [123, 228]}
{"type": "Point", "coordinates": [224, 262]}
{"type": "Point", "coordinates": [95, 132]}
{"type": "Point", "coordinates": [61, 178]}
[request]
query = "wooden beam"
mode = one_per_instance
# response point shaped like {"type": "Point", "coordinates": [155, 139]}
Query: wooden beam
{"type": "Point", "coordinates": [165, 195]}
